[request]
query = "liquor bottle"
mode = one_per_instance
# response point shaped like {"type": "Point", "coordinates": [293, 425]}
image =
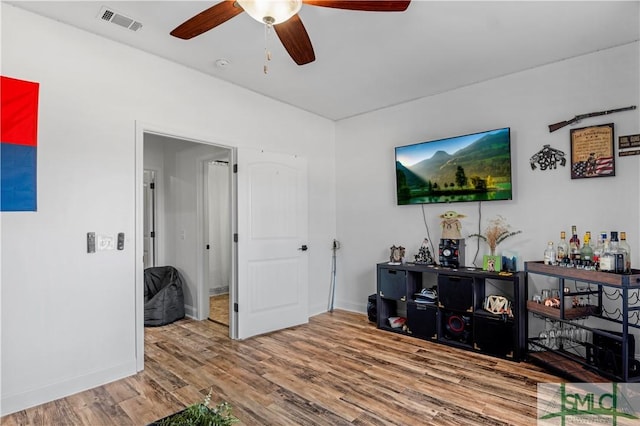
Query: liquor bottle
{"type": "Point", "coordinates": [599, 248]}
{"type": "Point", "coordinates": [626, 247]}
{"type": "Point", "coordinates": [619, 255]}
{"type": "Point", "coordinates": [550, 254]}
{"type": "Point", "coordinates": [562, 249]}
{"type": "Point", "coordinates": [586, 252]}
{"type": "Point", "coordinates": [574, 245]}
{"type": "Point", "coordinates": [607, 258]}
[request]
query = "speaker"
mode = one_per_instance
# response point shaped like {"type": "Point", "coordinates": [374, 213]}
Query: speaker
{"type": "Point", "coordinates": [457, 326]}
{"type": "Point", "coordinates": [372, 307]}
{"type": "Point", "coordinates": [451, 252]}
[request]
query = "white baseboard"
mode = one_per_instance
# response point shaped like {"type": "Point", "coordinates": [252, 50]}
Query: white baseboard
{"type": "Point", "coordinates": [21, 401]}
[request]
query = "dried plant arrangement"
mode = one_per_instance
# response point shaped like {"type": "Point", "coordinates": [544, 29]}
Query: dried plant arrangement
{"type": "Point", "coordinates": [496, 232]}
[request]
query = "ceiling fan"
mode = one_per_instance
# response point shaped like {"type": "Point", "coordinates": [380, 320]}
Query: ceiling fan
{"type": "Point", "coordinates": [283, 16]}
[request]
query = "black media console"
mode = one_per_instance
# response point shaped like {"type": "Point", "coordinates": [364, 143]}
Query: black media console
{"type": "Point", "coordinates": [457, 317]}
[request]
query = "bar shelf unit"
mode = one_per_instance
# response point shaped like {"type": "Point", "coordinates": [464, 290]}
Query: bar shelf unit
{"type": "Point", "coordinates": [601, 358]}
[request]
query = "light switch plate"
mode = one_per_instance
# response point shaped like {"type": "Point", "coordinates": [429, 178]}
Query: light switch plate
{"type": "Point", "coordinates": [91, 242]}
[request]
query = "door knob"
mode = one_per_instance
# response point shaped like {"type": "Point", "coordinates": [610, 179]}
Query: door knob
{"type": "Point", "coordinates": [303, 247]}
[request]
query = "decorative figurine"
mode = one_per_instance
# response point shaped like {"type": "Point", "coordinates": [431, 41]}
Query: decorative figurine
{"type": "Point", "coordinates": [424, 254]}
{"type": "Point", "coordinates": [451, 225]}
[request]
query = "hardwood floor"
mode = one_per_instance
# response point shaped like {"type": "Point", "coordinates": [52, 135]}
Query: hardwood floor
{"type": "Point", "coordinates": [219, 308]}
{"type": "Point", "coordinates": [337, 370]}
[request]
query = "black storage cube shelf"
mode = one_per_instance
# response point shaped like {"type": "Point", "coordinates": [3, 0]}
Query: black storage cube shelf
{"type": "Point", "coordinates": [422, 320]}
{"type": "Point", "coordinates": [455, 293]}
{"type": "Point", "coordinates": [494, 335]}
{"type": "Point", "coordinates": [393, 284]}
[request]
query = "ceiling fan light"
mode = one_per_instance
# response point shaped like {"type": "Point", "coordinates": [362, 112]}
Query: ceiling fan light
{"type": "Point", "coordinates": [271, 12]}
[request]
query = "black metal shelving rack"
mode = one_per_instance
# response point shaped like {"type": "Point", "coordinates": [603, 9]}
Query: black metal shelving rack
{"type": "Point", "coordinates": [568, 362]}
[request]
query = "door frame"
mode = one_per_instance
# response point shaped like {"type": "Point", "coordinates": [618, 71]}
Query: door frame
{"type": "Point", "coordinates": [203, 229]}
{"type": "Point", "coordinates": [142, 128]}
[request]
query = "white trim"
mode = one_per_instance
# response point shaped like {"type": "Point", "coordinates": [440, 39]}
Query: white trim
{"type": "Point", "coordinates": [24, 400]}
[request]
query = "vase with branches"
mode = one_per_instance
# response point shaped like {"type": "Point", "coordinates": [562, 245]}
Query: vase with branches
{"type": "Point", "coordinates": [496, 232]}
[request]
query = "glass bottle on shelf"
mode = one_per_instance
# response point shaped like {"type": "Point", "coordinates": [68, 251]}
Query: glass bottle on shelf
{"type": "Point", "coordinates": [574, 245]}
{"type": "Point", "coordinates": [626, 247]}
{"type": "Point", "coordinates": [607, 258]}
{"type": "Point", "coordinates": [562, 249]}
{"type": "Point", "coordinates": [586, 252]}
{"type": "Point", "coordinates": [620, 255]}
{"type": "Point", "coordinates": [598, 249]}
{"type": "Point", "coordinates": [550, 254]}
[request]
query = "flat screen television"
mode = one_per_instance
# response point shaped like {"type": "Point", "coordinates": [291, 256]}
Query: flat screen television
{"type": "Point", "coordinates": [473, 167]}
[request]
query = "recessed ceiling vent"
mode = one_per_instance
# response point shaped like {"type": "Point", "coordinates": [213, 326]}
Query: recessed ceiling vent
{"type": "Point", "coordinates": [110, 15]}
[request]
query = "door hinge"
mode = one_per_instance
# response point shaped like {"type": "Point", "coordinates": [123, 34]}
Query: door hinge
{"type": "Point", "coordinates": [235, 238]}
{"type": "Point", "coordinates": [235, 307]}
{"type": "Point", "coordinates": [152, 185]}
{"type": "Point", "coordinates": [235, 168]}
{"type": "Point", "coordinates": [152, 234]}
{"type": "Point", "coordinates": [207, 246]}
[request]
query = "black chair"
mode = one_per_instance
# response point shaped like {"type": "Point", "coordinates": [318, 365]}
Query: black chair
{"type": "Point", "coordinates": [163, 296]}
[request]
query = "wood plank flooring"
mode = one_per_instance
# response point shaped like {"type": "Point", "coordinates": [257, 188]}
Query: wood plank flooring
{"type": "Point", "coordinates": [219, 308]}
{"type": "Point", "coordinates": [337, 370]}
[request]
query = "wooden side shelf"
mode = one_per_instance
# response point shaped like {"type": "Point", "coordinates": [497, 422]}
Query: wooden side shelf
{"type": "Point", "coordinates": [627, 280]}
{"type": "Point", "coordinates": [569, 313]}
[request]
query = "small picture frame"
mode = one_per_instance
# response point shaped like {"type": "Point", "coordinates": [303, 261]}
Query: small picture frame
{"type": "Point", "coordinates": [491, 263]}
{"type": "Point", "coordinates": [592, 152]}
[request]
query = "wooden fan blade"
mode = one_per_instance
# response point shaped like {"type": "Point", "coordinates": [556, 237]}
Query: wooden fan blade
{"type": "Point", "coordinates": [206, 20]}
{"type": "Point", "coordinates": [364, 5]}
{"type": "Point", "coordinates": [295, 39]}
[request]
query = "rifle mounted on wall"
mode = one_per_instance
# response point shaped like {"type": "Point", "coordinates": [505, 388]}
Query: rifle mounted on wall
{"type": "Point", "coordinates": [577, 118]}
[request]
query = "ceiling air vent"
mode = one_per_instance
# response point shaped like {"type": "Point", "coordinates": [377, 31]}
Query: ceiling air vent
{"type": "Point", "coordinates": [110, 15]}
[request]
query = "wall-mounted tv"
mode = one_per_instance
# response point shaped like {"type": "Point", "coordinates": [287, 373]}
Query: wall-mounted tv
{"type": "Point", "coordinates": [473, 167]}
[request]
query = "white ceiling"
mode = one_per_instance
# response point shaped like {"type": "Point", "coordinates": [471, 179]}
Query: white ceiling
{"type": "Point", "coordinates": [369, 60]}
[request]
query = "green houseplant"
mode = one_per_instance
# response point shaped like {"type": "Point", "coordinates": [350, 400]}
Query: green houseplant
{"type": "Point", "coordinates": [200, 414]}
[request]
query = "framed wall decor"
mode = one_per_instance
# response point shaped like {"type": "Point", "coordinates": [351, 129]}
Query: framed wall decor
{"type": "Point", "coordinates": [592, 152]}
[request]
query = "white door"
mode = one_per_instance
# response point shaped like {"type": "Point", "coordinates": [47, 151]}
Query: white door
{"type": "Point", "coordinates": [272, 242]}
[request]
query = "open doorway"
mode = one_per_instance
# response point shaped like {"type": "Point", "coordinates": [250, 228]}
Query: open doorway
{"type": "Point", "coordinates": [188, 213]}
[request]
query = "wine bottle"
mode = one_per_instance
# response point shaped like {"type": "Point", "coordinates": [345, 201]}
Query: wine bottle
{"type": "Point", "coordinates": [626, 247]}
{"type": "Point", "coordinates": [562, 249]}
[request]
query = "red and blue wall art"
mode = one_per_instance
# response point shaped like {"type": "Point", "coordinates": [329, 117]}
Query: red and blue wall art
{"type": "Point", "coordinates": [19, 144]}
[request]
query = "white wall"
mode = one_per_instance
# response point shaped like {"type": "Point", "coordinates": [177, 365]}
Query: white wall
{"type": "Point", "coordinates": [67, 316]}
{"type": "Point", "coordinates": [545, 202]}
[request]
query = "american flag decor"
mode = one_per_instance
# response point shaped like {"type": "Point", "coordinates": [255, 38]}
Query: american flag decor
{"type": "Point", "coordinates": [593, 167]}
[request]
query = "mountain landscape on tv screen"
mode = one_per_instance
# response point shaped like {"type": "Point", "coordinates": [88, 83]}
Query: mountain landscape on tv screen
{"type": "Point", "coordinates": [479, 171]}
